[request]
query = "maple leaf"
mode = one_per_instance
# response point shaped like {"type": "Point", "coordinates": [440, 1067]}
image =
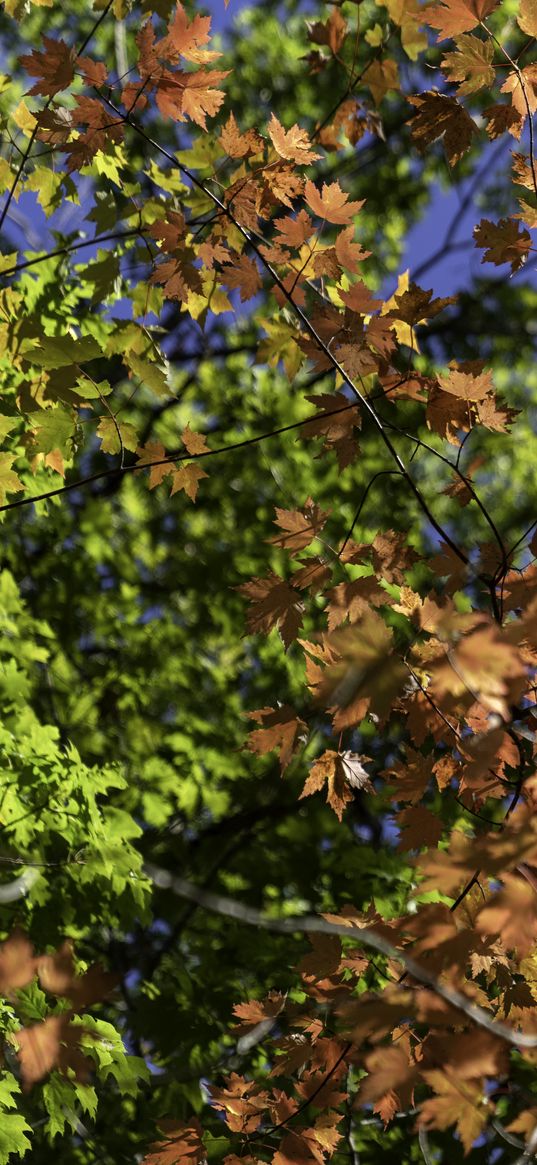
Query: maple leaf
{"type": "Point", "coordinates": [349, 254]}
{"type": "Point", "coordinates": [186, 37]}
{"type": "Point", "coordinates": [48, 1045]}
{"type": "Point", "coordinates": [335, 427]}
{"type": "Point", "coordinates": [181, 1144]}
{"type": "Point", "coordinates": [293, 144]}
{"type": "Point", "coordinates": [363, 674]}
{"type": "Point", "coordinates": [258, 1010]}
{"type": "Point", "coordinates": [414, 305]}
{"type": "Point", "coordinates": [332, 204]}
{"type": "Point", "coordinates": [294, 230]}
{"type": "Point", "coordinates": [331, 32]}
{"type": "Point", "coordinates": [527, 17]}
{"type": "Point", "coordinates": [57, 975]}
{"type": "Point", "coordinates": [54, 67]}
{"type": "Point", "coordinates": [382, 76]}
{"type": "Point", "coordinates": [237, 144]}
{"type": "Point", "coordinates": [352, 600]}
{"type": "Point", "coordinates": [274, 603]}
{"type": "Point", "coordinates": [17, 962]}
{"type": "Point", "coordinates": [470, 386]}
{"type": "Point", "coordinates": [443, 117]}
{"type": "Point", "coordinates": [505, 242]}
{"type": "Point", "coordinates": [299, 527]}
{"type": "Point", "coordinates": [455, 16]}
{"type": "Point", "coordinates": [187, 478]}
{"type": "Point", "coordinates": [389, 1070]}
{"type": "Point", "coordinates": [195, 443]}
{"type": "Point", "coordinates": [501, 118]}
{"type": "Point", "coordinates": [340, 772]}
{"type": "Point", "coordinates": [281, 728]}
{"type": "Point", "coordinates": [458, 1103]}
{"type": "Point", "coordinates": [471, 64]}
{"type": "Point", "coordinates": [511, 914]}
{"type": "Point", "coordinates": [151, 452]}
{"type": "Point", "coordinates": [242, 1101]}
{"type": "Point", "coordinates": [181, 95]}
{"type": "Point", "coordinates": [483, 667]}
{"type": "Point", "coordinates": [419, 828]}
{"type": "Point", "coordinates": [244, 275]}
{"type": "Point", "coordinates": [9, 480]}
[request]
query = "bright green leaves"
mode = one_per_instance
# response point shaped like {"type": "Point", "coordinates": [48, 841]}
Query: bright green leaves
{"type": "Point", "coordinates": [14, 1128]}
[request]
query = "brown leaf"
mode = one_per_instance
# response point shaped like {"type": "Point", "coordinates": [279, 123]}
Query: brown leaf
{"type": "Point", "coordinates": [299, 527]}
{"type": "Point", "coordinates": [419, 828]}
{"type": "Point", "coordinates": [511, 914]}
{"type": "Point", "coordinates": [281, 729]}
{"type": "Point", "coordinates": [458, 1103]}
{"type": "Point", "coordinates": [504, 242]}
{"type": "Point", "coordinates": [17, 963]}
{"type": "Point", "coordinates": [54, 67]}
{"type": "Point", "coordinates": [48, 1045]}
{"type": "Point", "coordinates": [455, 16]}
{"type": "Point", "coordinates": [181, 1144]}
{"type": "Point", "coordinates": [274, 603]}
{"type": "Point", "coordinates": [443, 117]}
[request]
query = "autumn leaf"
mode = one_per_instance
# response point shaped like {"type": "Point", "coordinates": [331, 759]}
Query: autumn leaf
{"type": "Point", "coordinates": [274, 603]}
{"type": "Point", "coordinates": [10, 482]}
{"type": "Point", "coordinates": [55, 1043]}
{"type": "Point", "coordinates": [17, 962]}
{"type": "Point", "coordinates": [299, 527]}
{"type": "Point", "coordinates": [258, 1011]}
{"type": "Point", "coordinates": [470, 65]}
{"type": "Point", "coordinates": [244, 275]}
{"type": "Point", "coordinates": [336, 420]}
{"type": "Point", "coordinates": [382, 76]}
{"type": "Point", "coordinates": [54, 67]}
{"type": "Point", "coordinates": [442, 117]}
{"type": "Point", "coordinates": [181, 1144]}
{"type": "Point", "coordinates": [527, 17]}
{"type": "Point", "coordinates": [187, 478]}
{"type": "Point", "coordinates": [504, 242]}
{"type": "Point", "coordinates": [419, 827]}
{"type": "Point", "coordinates": [281, 729]}
{"type": "Point", "coordinates": [332, 204]}
{"type": "Point", "coordinates": [116, 435]}
{"type": "Point", "coordinates": [469, 386]}
{"type": "Point", "coordinates": [149, 453]}
{"type": "Point", "coordinates": [388, 1070]}
{"type": "Point", "coordinates": [511, 914]}
{"type": "Point", "coordinates": [455, 16]}
{"type": "Point", "coordinates": [459, 1103]}
{"type": "Point", "coordinates": [293, 144]}
{"type": "Point", "coordinates": [340, 772]}
{"type": "Point", "coordinates": [194, 443]}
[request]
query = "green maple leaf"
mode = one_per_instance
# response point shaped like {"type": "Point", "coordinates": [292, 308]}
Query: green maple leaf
{"type": "Point", "coordinates": [471, 64]}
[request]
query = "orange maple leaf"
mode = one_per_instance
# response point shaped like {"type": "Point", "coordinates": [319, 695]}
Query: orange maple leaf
{"type": "Point", "coordinates": [455, 16]}
{"type": "Point", "coordinates": [332, 204]}
{"type": "Point", "coordinates": [293, 144]}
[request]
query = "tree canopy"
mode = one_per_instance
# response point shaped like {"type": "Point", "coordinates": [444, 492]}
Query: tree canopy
{"type": "Point", "coordinates": [268, 592]}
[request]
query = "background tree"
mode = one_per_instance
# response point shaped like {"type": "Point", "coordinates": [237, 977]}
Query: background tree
{"type": "Point", "coordinates": [220, 383]}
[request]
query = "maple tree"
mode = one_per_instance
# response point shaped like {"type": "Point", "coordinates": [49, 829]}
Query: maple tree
{"type": "Point", "coordinates": [268, 594]}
